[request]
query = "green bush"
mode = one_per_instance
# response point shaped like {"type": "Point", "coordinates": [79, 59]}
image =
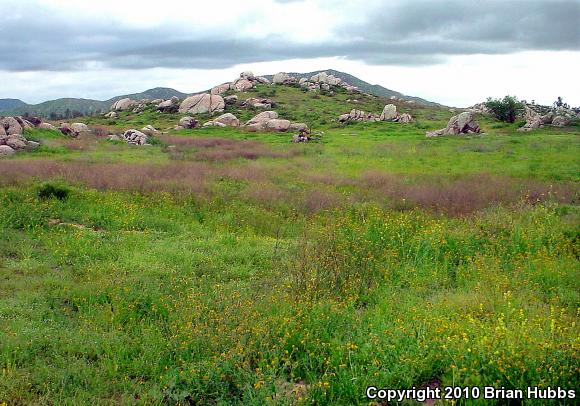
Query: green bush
{"type": "Point", "coordinates": [52, 190]}
{"type": "Point", "coordinates": [505, 109]}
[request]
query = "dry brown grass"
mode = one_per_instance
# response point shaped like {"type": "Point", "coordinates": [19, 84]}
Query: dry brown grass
{"type": "Point", "coordinates": [464, 195]}
{"type": "Point", "coordinates": [220, 149]}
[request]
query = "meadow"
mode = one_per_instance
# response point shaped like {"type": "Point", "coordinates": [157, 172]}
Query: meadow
{"type": "Point", "coordinates": [221, 267]}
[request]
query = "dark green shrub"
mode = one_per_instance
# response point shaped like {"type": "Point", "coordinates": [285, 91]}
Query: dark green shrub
{"type": "Point", "coordinates": [506, 109]}
{"type": "Point", "coordinates": [52, 190]}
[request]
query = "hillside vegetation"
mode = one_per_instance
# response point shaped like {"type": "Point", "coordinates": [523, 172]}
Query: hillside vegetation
{"type": "Point", "coordinates": [223, 267]}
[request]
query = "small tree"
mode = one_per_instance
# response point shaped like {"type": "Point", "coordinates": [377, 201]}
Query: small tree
{"type": "Point", "coordinates": [506, 109]}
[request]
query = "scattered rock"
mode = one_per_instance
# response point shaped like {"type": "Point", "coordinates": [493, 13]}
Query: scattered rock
{"type": "Point", "coordinates": [247, 75]}
{"type": "Point", "coordinates": [405, 118]}
{"type": "Point", "coordinates": [111, 114]}
{"type": "Point", "coordinates": [114, 137]}
{"type": "Point", "coordinates": [149, 130]}
{"type": "Point", "coordinates": [301, 127]}
{"type": "Point", "coordinates": [213, 124]}
{"type": "Point", "coordinates": [67, 129]}
{"type": "Point", "coordinates": [202, 103]}
{"type": "Point", "coordinates": [188, 122]}
{"type": "Point", "coordinates": [258, 103]}
{"type": "Point", "coordinates": [357, 115]}
{"type": "Point", "coordinates": [47, 126]}
{"type": "Point", "coordinates": [463, 123]}
{"type": "Point", "coordinates": [135, 137]}
{"type": "Point", "coordinates": [16, 142]}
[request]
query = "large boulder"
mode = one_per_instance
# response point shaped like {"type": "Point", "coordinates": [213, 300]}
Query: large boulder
{"type": "Point", "coordinates": [247, 75]}
{"type": "Point", "coordinates": [228, 119]}
{"type": "Point", "coordinates": [80, 127]}
{"type": "Point", "coordinates": [283, 78]}
{"type": "Point", "coordinates": [263, 116]}
{"type": "Point", "coordinates": [463, 123]}
{"type": "Point", "coordinates": [123, 104]}
{"type": "Point", "coordinates": [277, 124]}
{"type": "Point", "coordinates": [202, 103]}
{"type": "Point", "coordinates": [11, 126]}
{"type": "Point", "coordinates": [242, 85]}
{"type": "Point", "coordinates": [560, 121]}
{"type": "Point", "coordinates": [135, 137]}
{"type": "Point", "coordinates": [389, 113]}
{"type": "Point", "coordinates": [405, 118]}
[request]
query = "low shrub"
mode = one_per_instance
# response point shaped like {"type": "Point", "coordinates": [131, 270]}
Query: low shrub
{"type": "Point", "coordinates": [50, 190]}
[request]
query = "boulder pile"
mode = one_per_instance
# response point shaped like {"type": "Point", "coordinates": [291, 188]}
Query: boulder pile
{"type": "Point", "coordinates": [357, 115]}
{"type": "Point", "coordinates": [389, 113]}
{"type": "Point", "coordinates": [258, 103]}
{"type": "Point", "coordinates": [11, 135]}
{"type": "Point", "coordinates": [269, 121]}
{"type": "Point", "coordinates": [539, 116]}
{"type": "Point", "coordinates": [463, 123]}
{"type": "Point", "coordinates": [324, 81]}
{"type": "Point", "coordinates": [245, 82]}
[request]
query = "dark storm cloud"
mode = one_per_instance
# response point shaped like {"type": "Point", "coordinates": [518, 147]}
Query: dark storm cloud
{"type": "Point", "coordinates": [396, 33]}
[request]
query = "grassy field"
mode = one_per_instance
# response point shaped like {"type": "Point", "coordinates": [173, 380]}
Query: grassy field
{"type": "Point", "coordinates": [222, 267]}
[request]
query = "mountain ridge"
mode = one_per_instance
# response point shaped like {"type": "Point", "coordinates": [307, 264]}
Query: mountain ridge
{"type": "Point", "coordinates": [72, 107]}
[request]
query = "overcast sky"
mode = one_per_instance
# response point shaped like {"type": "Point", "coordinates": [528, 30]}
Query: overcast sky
{"type": "Point", "coordinates": [456, 52]}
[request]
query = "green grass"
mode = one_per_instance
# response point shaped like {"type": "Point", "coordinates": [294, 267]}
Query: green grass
{"type": "Point", "coordinates": [298, 276]}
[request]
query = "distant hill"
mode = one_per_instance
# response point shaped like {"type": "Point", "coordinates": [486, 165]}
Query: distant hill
{"type": "Point", "coordinates": [68, 107]}
{"type": "Point", "coordinates": [366, 87]}
{"type": "Point", "coordinates": [9, 104]}
{"type": "Point", "coordinates": [72, 107]}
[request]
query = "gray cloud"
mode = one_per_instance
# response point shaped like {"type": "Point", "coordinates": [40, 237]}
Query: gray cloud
{"type": "Point", "coordinates": [395, 33]}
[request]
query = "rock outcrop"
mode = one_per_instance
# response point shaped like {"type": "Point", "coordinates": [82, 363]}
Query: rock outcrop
{"type": "Point", "coordinates": [80, 128]}
{"type": "Point", "coordinates": [11, 137]}
{"type": "Point", "coordinates": [463, 123]}
{"type": "Point", "coordinates": [149, 130]}
{"type": "Point", "coordinates": [202, 103]}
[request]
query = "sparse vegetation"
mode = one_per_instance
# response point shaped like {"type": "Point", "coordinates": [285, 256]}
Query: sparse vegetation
{"type": "Point", "coordinates": [506, 109]}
